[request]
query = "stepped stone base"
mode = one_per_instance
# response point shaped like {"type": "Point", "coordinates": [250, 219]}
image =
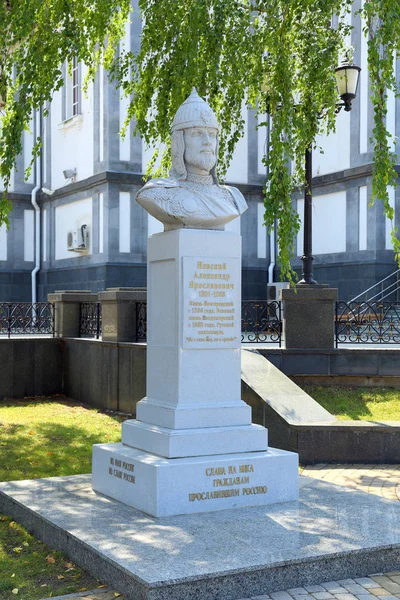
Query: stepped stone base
{"type": "Point", "coordinates": [164, 487]}
{"type": "Point", "coordinates": [205, 441]}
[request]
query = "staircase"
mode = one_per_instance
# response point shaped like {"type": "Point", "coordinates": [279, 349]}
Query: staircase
{"type": "Point", "coordinates": [388, 290]}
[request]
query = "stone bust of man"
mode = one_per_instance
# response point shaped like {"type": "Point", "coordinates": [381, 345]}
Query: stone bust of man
{"type": "Point", "coordinates": [192, 197]}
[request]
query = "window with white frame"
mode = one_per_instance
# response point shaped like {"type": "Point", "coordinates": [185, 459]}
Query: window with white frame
{"type": "Point", "coordinates": [71, 91]}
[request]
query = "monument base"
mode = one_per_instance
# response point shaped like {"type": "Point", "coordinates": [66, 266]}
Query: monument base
{"type": "Point", "coordinates": [203, 441]}
{"type": "Point", "coordinates": [164, 487]}
{"type": "Point", "coordinates": [331, 533]}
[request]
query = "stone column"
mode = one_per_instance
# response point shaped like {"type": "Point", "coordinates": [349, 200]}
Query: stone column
{"type": "Point", "coordinates": [119, 313]}
{"type": "Point", "coordinates": [67, 310]}
{"type": "Point", "coordinates": [309, 316]}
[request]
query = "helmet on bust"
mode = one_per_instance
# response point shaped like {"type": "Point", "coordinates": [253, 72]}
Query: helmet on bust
{"type": "Point", "coordinates": [194, 112]}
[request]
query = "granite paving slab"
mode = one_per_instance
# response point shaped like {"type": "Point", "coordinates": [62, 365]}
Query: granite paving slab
{"type": "Point", "coordinates": [331, 534]}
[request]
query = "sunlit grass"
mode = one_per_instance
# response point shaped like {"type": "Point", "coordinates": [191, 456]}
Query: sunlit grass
{"type": "Point", "coordinates": [45, 438]}
{"type": "Point", "coordinates": [366, 404]}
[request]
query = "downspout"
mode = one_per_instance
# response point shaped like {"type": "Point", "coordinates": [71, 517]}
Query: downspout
{"type": "Point", "coordinates": [272, 258]}
{"type": "Point", "coordinates": [38, 180]}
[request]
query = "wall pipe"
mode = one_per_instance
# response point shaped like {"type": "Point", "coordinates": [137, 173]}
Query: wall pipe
{"type": "Point", "coordinates": [271, 265]}
{"type": "Point", "coordinates": [38, 181]}
{"type": "Point", "coordinates": [272, 258]}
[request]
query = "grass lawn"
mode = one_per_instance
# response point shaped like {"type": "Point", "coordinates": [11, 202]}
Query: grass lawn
{"type": "Point", "coordinates": [45, 438]}
{"type": "Point", "coordinates": [365, 404]}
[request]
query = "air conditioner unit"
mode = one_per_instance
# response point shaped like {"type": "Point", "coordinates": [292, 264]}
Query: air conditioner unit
{"type": "Point", "coordinates": [78, 241]}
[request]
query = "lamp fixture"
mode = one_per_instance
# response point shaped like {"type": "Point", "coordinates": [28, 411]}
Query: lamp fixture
{"type": "Point", "coordinates": [347, 77]}
{"type": "Point", "coordinates": [69, 173]}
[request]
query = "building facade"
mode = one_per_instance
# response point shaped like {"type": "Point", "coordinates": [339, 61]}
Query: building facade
{"type": "Point", "coordinates": [89, 177]}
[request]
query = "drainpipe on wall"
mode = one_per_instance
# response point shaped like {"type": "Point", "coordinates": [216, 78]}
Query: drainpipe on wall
{"type": "Point", "coordinates": [271, 265]}
{"type": "Point", "coordinates": [271, 255]}
{"type": "Point", "coordinates": [38, 180]}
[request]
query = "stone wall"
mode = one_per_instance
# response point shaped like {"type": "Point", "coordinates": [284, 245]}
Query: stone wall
{"type": "Point", "coordinates": [105, 374]}
{"type": "Point", "coordinates": [30, 367]}
{"type": "Point", "coordinates": [373, 362]}
{"type": "Point", "coordinates": [102, 374]}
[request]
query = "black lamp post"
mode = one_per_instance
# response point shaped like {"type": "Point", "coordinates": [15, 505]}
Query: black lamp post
{"type": "Point", "coordinates": [347, 76]}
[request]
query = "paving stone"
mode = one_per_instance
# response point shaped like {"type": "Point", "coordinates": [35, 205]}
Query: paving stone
{"type": "Point", "coordinates": [364, 596]}
{"type": "Point", "coordinates": [297, 591]}
{"type": "Point", "coordinates": [265, 597]}
{"type": "Point", "coordinates": [366, 582]}
{"type": "Point", "coordinates": [347, 596]}
{"type": "Point", "coordinates": [333, 587]}
{"type": "Point", "coordinates": [322, 595]}
{"type": "Point", "coordinates": [392, 586]}
{"type": "Point", "coordinates": [388, 584]}
{"type": "Point", "coordinates": [315, 588]}
{"type": "Point", "coordinates": [345, 582]}
{"type": "Point", "coordinates": [379, 591]}
{"type": "Point", "coordinates": [280, 596]}
{"type": "Point", "coordinates": [355, 588]}
{"type": "Point", "coordinates": [391, 597]}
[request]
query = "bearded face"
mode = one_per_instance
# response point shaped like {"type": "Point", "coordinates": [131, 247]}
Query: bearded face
{"type": "Point", "coordinates": [200, 149]}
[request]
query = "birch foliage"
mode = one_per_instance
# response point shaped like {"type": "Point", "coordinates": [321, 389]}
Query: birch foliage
{"type": "Point", "coordinates": [37, 37]}
{"type": "Point", "coordinates": [278, 55]}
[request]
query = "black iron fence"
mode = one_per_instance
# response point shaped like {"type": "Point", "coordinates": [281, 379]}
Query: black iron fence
{"type": "Point", "coordinates": [90, 319]}
{"type": "Point", "coordinates": [367, 323]}
{"type": "Point", "coordinates": [25, 318]}
{"type": "Point", "coordinates": [141, 321]}
{"type": "Point", "coordinates": [262, 322]}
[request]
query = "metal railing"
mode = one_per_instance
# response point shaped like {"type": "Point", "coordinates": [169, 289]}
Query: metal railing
{"type": "Point", "coordinates": [261, 322]}
{"type": "Point", "coordinates": [387, 289]}
{"type": "Point", "coordinates": [367, 323]}
{"type": "Point", "coordinates": [90, 319]}
{"type": "Point", "coordinates": [25, 318]}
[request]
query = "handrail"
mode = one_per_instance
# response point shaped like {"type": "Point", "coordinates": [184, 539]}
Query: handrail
{"type": "Point", "coordinates": [375, 285]}
{"type": "Point", "coordinates": [372, 298]}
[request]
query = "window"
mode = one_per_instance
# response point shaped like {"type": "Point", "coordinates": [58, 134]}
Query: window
{"type": "Point", "coordinates": [71, 91]}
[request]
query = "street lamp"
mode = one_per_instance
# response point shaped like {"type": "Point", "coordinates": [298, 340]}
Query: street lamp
{"type": "Point", "coordinates": [347, 76]}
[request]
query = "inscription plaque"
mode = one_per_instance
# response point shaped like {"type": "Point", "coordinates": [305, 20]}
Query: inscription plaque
{"type": "Point", "coordinates": [211, 303]}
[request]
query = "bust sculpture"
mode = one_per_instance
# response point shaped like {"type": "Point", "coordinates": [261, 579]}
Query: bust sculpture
{"type": "Point", "coordinates": [192, 197]}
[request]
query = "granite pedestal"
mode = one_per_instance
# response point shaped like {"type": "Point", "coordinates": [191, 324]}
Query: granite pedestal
{"type": "Point", "coordinates": [331, 533]}
{"type": "Point", "coordinates": [309, 316]}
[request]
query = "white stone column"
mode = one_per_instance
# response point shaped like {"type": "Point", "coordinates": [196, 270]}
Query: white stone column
{"type": "Point", "coordinates": [193, 339]}
{"type": "Point", "coordinates": [193, 349]}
